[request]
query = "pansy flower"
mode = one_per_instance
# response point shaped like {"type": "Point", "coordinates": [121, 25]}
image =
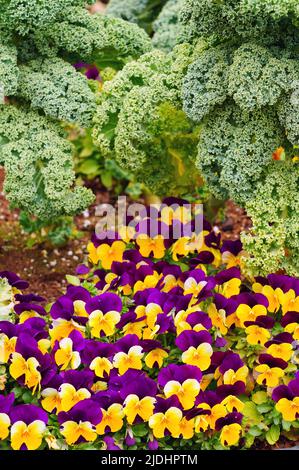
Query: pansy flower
{"type": "Point", "coordinates": [166, 418]}
{"type": "Point", "coordinates": [28, 363]}
{"type": "Point", "coordinates": [196, 347]}
{"type": "Point", "coordinates": [182, 381]}
{"type": "Point", "coordinates": [112, 409]}
{"type": "Point", "coordinates": [98, 356]}
{"type": "Point", "coordinates": [231, 429]}
{"type": "Point", "coordinates": [28, 424]}
{"type": "Point", "coordinates": [106, 253]}
{"type": "Point", "coordinates": [221, 312]}
{"type": "Point", "coordinates": [104, 314]}
{"type": "Point", "coordinates": [79, 424]}
{"type": "Point", "coordinates": [250, 307]}
{"type": "Point", "coordinates": [129, 354]}
{"type": "Point", "coordinates": [67, 352]}
{"type": "Point", "coordinates": [139, 394]}
{"type": "Point", "coordinates": [228, 282]}
{"type": "Point", "coordinates": [287, 399]}
{"type": "Point", "coordinates": [231, 252]}
{"type": "Point", "coordinates": [27, 310]}
{"type": "Point", "coordinates": [8, 340]}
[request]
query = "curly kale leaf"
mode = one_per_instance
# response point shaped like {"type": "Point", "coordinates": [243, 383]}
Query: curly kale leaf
{"type": "Point", "coordinates": [38, 162]}
{"type": "Point", "coordinates": [58, 89]}
{"type": "Point", "coordinates": [141, 12]}
{"type": "Point", "coordinates": [206, 82]}
{"type": "Point", "coordinates": [235, 148]}
{"type": "Point", "coordinates": [93, 38]}
{"type": "Point", "coordinates": [8, 69]}
{"type": "Point", "coordinates": [273, 242]}
{"type": "Point", "coordinates": [139, 121]}
{"type": "Point", "coordinates": [233, 19]}
{"type": "Point", "coordinates": [167, 27]}
{"type": "Point", "coordinates": [25, 16]}
{"type": "Point", "coordinates": [257, 78]}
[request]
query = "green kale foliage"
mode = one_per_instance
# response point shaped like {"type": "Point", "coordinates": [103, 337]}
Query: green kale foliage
{"type": "Point", "coordinates": [140, 121]}
{"type": "Point", "coordinates": [39, 40]}
{"type": "Point", "coordinates": [142, 12]}
{"type": "Point", "coordinates": [159, 18]}
{"type": "Point", "coordinates": [167, 27]}
{"type": "Point", "coordinates": [243, 91]}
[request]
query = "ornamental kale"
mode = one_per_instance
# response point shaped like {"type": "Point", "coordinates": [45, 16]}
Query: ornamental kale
{"type": "Point", "coordinates": [242, 89]}
{"type": "Point", "coordinates": [140, 122]}
{"type": "Point", "coordinates": [39, 40]}
{"type": "Point", "coordinates": [167, 27]}
{"type": "Point", "coordinates": [142, 12]}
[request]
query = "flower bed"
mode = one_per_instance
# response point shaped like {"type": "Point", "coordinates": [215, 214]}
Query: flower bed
{"type": "Point", "coordinates": [157, 343]}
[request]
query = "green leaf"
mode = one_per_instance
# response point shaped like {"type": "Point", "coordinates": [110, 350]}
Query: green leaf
{"type": "Point", "coordinates": [106, 178]}
{"type": "Point", "coordinates": [140, 430]}
{"type": "Point", "coordinates": [264, 408]}
{"type": "Point", "coordinates": [254, 431]}
{"type": "Point", "coordinates": [251, 413]}
{"type": "Point", "coordinates": [89, 167]}
{"type": "Point", "coordinates": [260, 397]}
{"type": "Point", "coordinates": [272, 435]}
{"type": "Point", "coordinates": [73, 280]}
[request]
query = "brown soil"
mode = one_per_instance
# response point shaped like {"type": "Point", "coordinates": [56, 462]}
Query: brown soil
{"type": "Point", "coordinates": [235, 222]}
{"type": "Point", "coordinates": [43, 267]}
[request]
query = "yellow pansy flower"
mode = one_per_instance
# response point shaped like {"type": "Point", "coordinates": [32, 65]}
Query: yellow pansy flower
{"type": "Point", "coordinates": [217, 411]}
{"type": "Point", "coordinates": [112, 417]}
{"type": "Point", "coordinates": [186, 392]}
{"type": "Point", "coordinates": [191, 286]}
{"type": "Point", "coordinates": [201, 423]}
{"type": "Point", "coordinates": [72, 431]}
{"type": "Point", "coordinates": [229, 288]}
{"type": "Point", "coordinates": [289, 302]}
{"type": "Point", "coordinates": [170, 421]}
{"type": "Point", "coordinates": [44, 345]}
{"type": "Point", "coordinates": [4, 426]}
{"type": "Point", "coordinates": [230, 434]}
{"type": "Point", "coordinates": [149, 245]}
{"type": "Point", "coordinates": [101, 366]}
{"type": "Point", "coordinates": [288, 408]}
{"type": "Point", "coordinates": [7, 347]}
{"type": "Point", "coordinates": [257, 335]}
{"type": "Point", "coordinates": [218, 318]}
{"type": "Point", "coordinates": [273, 295]}
{"type": "Point", "coordinates": [200, 356]}
{"type": "Point", "coordinates": [269, 376]}
{"type": "Point", "coordinates": [79, 309]}
{"type": "Point", "coordinates": [246, 313]}
{"type": "Point", "coordinates": [282, 351]}
{"type": "Point", "coordinates": [63, 328]}
{"type": "Point", "coordinates": [230, 377]}
{"type": "Point", "coordinates": [65, 357]}
{"type": "Point", "coordinates": [30, 435]}
{"type": "Point", "coordinates": [233, 403]}
{"type": "Point", "coordinates": [156, 356]}
{"type": "Point", "coordinates": [130, 360]}
{"type": "Point", "coordinates": [70, 396]}
{"type": "Point", "coordinates": [51, 400]}
{"type": "Point", "coordinates": [293, 328]}
{"type": "Point", "coordinates": [180, 247]}
{"type": "Point", "coordinates": [20, 366]}
{"type": "Point", "coordinates": [149, 281]}
{"type": "Point", "coordinates": [103, 322]}
{"type": "Point", "coordinates": [187, 428]}
{"type": "Point", "coordinates": [134, 406]}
